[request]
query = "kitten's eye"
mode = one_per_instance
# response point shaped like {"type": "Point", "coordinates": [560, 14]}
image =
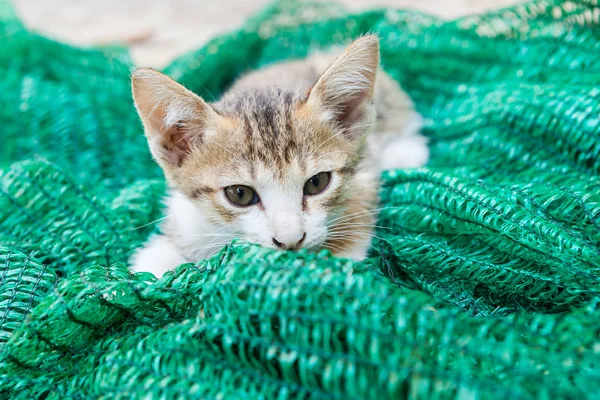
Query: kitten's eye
{"type": "Point", "coordinates": [240, 195]}
{"type": "Point", "coordinates": [317, 183]}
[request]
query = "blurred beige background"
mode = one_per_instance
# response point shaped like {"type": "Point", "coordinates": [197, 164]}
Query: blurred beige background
{"type": "Point", "coordinates": [158, 30]}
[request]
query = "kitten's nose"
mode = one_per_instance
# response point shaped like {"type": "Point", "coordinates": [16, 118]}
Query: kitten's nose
{"type": "Point", "coordinates": [291, 243]}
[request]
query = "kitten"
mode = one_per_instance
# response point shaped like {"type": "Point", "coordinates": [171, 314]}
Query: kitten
{"type": "Point", "coordinates": [289, 158]}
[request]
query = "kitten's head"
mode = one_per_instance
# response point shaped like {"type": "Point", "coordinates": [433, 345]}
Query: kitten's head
{"type": "Point", "coordinates": [275, 167]}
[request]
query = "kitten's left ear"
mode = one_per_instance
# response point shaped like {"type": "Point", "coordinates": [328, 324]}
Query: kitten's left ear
{"type": "Point", "coordinates": [344, 93]}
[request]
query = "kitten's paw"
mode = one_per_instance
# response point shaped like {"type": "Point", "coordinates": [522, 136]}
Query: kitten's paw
{"type": "Point", "coordinates": [405, 152]}
{"type": "Point", "coordinates": [158, 256]}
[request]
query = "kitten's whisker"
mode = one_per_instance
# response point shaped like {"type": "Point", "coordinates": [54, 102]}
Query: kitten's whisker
{"type": "Point", "coordinates": [203, 246]}
{"type": "Point", "coordinates": [376, 210]}
{"type": "Point", "coordinates": [359, 219]}
{"type": "Point", "coordinates": [221, 245]}
{"type": "Point", "coordinates": [370, 245]}
{"type": "Point", "coordinates": [207, 247]}
{"type": "Point", "coordinates": [356, 214]}
{"type": "Point", "coordinates": [343, 228]}
{"type": "Point", "coordinates": [149, 223]}
{"type": "Point", "coordinates": [352, 223]}
{"type": "Point", "coordinates": [353, 216]}
{"type": "Point", "coordinates": [358, 230]}
{"type": "Point", "coordinates": [224, 241]}
{"type": "Point", "coordinates": [334, 247]}
{"type": "Point", "coordinates": [356, 235]}
{"type": "Point", "coordinates": [215, 237]}
{"type": "Point", "coordinates": [213, 253]}
{"type": "Point", "coordinates": [201, 235]}
{"type": "Point", "coordinates": [226, 238]}
{"type": "Point", "coordinates": [350, 236]}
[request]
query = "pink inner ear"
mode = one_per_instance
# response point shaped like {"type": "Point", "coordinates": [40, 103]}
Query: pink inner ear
{"type": "Point", "coordinates": [352, 110]}
{"type": "Point", "coordinates": [344, 93]}
{"type": "Point", "coordinates": [175, 143]}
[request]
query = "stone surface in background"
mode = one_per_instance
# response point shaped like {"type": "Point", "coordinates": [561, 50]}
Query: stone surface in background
{"type": "Point", "coordinates": [158, 31]}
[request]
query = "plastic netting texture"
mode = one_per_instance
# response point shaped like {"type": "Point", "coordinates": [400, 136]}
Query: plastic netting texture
{"type": "Point", "coordinates": [482, 282]}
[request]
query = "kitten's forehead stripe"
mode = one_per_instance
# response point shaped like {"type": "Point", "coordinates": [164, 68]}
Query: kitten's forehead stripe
{"type": "Point", "coordinates": [269, 134]}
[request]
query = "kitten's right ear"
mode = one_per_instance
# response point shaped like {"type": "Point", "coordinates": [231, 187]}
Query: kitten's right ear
{"type": "Point", "coordinates": [345, 90]}
{"type": "Point", "coordinates": [174, 118]}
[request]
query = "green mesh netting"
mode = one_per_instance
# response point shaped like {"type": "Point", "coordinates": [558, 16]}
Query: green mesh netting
{"type": "Point", "coordinates": [482, 283]}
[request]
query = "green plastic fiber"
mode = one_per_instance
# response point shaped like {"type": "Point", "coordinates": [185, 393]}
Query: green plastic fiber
{"type": "Point", "coordinates": [482, 282]}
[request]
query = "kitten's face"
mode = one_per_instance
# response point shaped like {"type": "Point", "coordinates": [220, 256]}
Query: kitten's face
{"type": "Point", "coordinates": [275, 167]}
{"type": "Point", "coordinates": [271, 172]}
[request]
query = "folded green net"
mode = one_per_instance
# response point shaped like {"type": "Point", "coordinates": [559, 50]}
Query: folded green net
{"type": "Point", "coordinates": [482, 282]}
